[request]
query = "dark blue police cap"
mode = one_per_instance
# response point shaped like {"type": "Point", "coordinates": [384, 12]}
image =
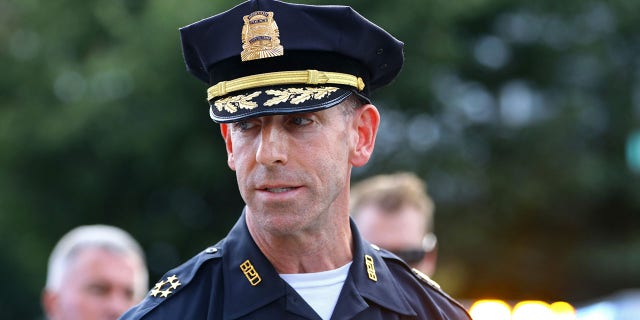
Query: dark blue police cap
{"type": "Point", "coordinates": [266, 57]}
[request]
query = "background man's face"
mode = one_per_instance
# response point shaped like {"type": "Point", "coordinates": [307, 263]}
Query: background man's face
{"type": "Point", "coordinates": [400, 230]}
{"type": "Point", "coordinates": [98, 285]}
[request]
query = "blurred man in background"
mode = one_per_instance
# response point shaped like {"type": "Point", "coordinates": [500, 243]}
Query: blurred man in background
{"type": "Point", "coordinates": [94, 272]}
{"type": "Point", "coordinates": [395, 212]}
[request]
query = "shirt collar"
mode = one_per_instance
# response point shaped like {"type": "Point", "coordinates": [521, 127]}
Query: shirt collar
{"type": "Point", "coordinates": [249, 276]}
{"type": "Point", "coordinates": [367, 264]}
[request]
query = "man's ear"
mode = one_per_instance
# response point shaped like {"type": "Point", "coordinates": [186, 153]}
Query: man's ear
{"type": "Point", "coordinates": [226, 135]}
{"type": "Point", "coordinates": [50, 304]}
{"type": "Point", "coordinates": [428, 262]}
{"type": "Point", "coordinates": [366, 122]}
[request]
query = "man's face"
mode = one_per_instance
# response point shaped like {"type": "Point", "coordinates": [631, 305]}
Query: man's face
{"type": "Point", "coordinates": [400, 230]}
{"type": "Point", "coordinates": [99, 284]}
{"type": "Point", "coordinates": [293, 169]}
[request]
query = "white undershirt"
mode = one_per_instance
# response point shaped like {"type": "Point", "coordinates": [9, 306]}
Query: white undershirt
{"type": "Point", "coordinates": [319, 289]}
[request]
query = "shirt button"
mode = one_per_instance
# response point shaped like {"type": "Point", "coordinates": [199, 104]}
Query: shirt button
{"type": "Point", "coordinates": [211, 250]}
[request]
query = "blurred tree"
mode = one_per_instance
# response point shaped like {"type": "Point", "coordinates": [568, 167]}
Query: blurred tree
{"type": "Point", "coordinates": [517, 116]}
{"type": "Point", "coordinates": [516, 113]}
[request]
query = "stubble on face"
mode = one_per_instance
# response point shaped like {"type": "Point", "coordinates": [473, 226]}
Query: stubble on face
{"type": "Point", "coordinates": [317, 170]}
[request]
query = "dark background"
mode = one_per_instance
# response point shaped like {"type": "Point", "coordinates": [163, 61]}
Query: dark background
{"type": "Point", "coordinates": [520, 115]}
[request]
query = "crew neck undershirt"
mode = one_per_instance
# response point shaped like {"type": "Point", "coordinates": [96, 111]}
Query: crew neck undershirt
{"type": "Point", "coordinates": [319, 289]}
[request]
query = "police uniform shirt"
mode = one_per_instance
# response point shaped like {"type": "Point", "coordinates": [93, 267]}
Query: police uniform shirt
{"type": "Point", "coordinates": [234, 280]}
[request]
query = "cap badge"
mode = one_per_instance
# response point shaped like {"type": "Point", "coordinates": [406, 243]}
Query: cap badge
{"type": "Point", "coordinates": [260, 36]}
{"type": "Point", "coordinates": [371, 270]}
{"type": "Point", "coordinates": [250, 272]}
{"type": "Point", "coordinates": [170, 284]}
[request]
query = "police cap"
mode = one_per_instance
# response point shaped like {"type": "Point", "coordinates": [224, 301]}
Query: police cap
{"type": "Point", "coordinates": [266, 57]}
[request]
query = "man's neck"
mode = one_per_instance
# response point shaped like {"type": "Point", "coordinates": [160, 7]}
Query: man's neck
{"type": "Point", "coordinates": [306, 251]}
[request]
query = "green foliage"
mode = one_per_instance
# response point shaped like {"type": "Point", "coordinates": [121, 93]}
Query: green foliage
{"type": "Point", "coordinates": [515, 112]}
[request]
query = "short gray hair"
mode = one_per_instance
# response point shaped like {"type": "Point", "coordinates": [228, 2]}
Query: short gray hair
{"type": "Point", "coordinates": [94, 236]}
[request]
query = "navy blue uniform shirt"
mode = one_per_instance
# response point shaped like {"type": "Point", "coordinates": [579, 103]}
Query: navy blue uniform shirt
{"type": "Point", "coordinates": [234, 280]}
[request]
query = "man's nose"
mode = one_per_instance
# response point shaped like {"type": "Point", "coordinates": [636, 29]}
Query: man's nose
{"type": "Point", "coordinates": [118, 304]}
{"type": "Point", "coordinates": [273, 146]}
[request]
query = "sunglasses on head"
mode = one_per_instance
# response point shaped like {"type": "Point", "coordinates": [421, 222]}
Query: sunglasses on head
{"type": "Point", "coordinates": [410, 256]}
{"type": "Point", "coordinates": [413, 256]}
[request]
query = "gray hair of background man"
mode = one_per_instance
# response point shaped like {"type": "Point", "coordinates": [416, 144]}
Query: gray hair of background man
{"type": "Point", "coordinates": [94, 236]}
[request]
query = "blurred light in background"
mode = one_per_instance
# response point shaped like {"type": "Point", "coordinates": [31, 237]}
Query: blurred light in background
{"type": "Point", "coordinates": [523, 310]}
{"type": "Point", "coordinates": [490, 310]}
{"type": "Point", "coordinates": [599, 311]}
{"type": "Point", "coordinates": [633, 151]}
{"type": "Point", "coordinates": [492, 52]}
{"type": "Point", "coordinates": [518, 103]}
{"type": "Point", "coordinates": [531, 310]}
{"type": "Point", "coordinates": [623, 305]}
{"type": "Point", "coordinates": [563, 311]}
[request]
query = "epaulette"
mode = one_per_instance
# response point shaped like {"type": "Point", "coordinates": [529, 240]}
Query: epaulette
{"type": "Point", "coordinates": [420, 276]}
{"type": "Point", "coordinates": [179, 277]}
{"type": "Point", "coordinates": [425, 278]}
{"type": "Point", "coordinates": [174, 281]}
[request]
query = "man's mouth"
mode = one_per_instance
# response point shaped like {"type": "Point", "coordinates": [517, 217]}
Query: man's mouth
{"type": "Point", "coordinates": [279, 190]}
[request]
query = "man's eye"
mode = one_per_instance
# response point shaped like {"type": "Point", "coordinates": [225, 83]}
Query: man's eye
{"type": "Point", "coordinates": [300, 121]}
{"type": "Point", "coordinates": [243, 125]}
{"type": "Point", "coordinates": [98, 289]}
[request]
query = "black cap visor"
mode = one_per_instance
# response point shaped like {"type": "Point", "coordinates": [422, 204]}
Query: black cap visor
{"type": "Point", "coordinates": [276, 100]}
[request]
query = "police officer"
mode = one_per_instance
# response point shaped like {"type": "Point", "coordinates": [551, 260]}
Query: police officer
{"type": "Point", "coordinates": [290, 86]}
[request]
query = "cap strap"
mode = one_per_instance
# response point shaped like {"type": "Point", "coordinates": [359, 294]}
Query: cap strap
{"type": "Point", "coordinates": [312, 77]}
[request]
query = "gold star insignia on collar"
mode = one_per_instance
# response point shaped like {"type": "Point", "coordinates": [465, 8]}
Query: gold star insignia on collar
{"type": "Point", "coordinates": [163, 291]}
